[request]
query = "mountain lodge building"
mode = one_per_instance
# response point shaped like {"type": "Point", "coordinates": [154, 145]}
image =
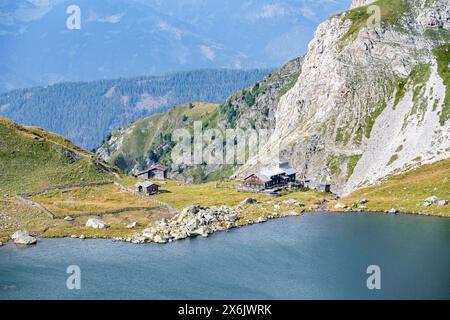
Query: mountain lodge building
{"type": "Point", "coordinates": [271, 177]}
{"type": "Point", "coordinates": [156, 171]}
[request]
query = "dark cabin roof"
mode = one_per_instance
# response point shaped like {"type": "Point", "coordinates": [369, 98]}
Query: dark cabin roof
{"type": "Point", "coordinates": [154, 167]}
{"type": "Point", "coordinates": [268, 173]}
{"type": "Point", "coordinates": [145, 184]}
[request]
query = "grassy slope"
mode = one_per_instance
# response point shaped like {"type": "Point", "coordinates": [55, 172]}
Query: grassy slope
{"type": "Point", "coordinates": [32, 159]}
{"type": "Point", "coordinates": [407, 192]}
{"type": "Point", "coordinates": [93, 200]}
{"type": "Point", "coordinates": [442, 54]}
{"type": "Point", "coordinates": [153, 134]}
{"type": "Point", "coordinates": [181, 195]}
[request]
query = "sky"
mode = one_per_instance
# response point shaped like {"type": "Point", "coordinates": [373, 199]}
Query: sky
{"type": "Point", "coordinates": [143, 37]}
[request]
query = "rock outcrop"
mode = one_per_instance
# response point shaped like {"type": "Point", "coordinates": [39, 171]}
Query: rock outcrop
{"type": "Point", "coordinates": [191, 222]}
{"type": "Point", "coordinates": [197, 221]}
{"type": "Point", "coordinates": [96, 224]}
{"type": "Point", "coordinates": [435, 201]}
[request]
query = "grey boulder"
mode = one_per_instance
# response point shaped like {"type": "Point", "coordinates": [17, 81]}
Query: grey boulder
{"type": "Point", "coordinates": [23, 237]}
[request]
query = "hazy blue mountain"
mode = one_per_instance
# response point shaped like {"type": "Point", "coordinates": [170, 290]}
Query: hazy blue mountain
{"type": "Point", "coordinates": [86, 112]}
{"type": "Point", "coordinates": [125, 38]}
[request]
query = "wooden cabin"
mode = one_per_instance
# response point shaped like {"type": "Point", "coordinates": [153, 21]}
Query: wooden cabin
{"type": "Point", "coordinates": [147, 188]}
{"type": "Point", "coordinates": [271, 177]}
{"type": "Point", "coordinates": [156, 172]}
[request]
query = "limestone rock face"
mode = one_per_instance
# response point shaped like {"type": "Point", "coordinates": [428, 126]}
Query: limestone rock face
{"type": "Point", "coordinates": [368, 102]}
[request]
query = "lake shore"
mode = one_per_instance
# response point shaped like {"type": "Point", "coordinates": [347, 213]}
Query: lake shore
{"type": "Point", "coordinates": [164, 232]}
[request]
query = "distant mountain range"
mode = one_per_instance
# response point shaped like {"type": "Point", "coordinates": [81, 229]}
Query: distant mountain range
{"type": "Point", "coordinates": [86, 112]}
{"type": "Point", "coordinates": [127, 38]}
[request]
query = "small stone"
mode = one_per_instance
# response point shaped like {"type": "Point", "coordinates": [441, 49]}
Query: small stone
{"type": "Point", "coordinates": [393, 211]}
{"type": "Point", "coordinates": [69, 218]}
{"type": "Point", "coordinates": [363, 201]}
{"type": "Point", "coordinates": [149, 233]}
{"type": "Point", "coordinates": [340, 206]}
{"type": "Point", "coordinates": [261, 220]}
{"type": "Point", "coordinates": [133, 225]}
{"type": "Point", "coordinates": [442, 202]}
{"type": "Point", "coordinates": [73, 236]}
{"type": "Point", "coordinates": [159, 239]}
{"type": "Point", "coordinates": [82, 237]}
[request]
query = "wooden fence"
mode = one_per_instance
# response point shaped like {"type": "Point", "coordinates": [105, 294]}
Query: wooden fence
{"type": "Point", "coordinates": [29, 202]}
{"type": "Point", "coordinates": [24, 198]}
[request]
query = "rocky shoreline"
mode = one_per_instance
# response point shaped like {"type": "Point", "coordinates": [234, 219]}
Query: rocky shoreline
{"type": "Point", "coordinates": [200, 221]}
{"type": "Point", "coordinates": [193, 221]}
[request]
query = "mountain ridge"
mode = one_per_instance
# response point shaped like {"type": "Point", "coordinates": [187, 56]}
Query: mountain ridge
{"type": "Point", "coordinates": [86, 112]}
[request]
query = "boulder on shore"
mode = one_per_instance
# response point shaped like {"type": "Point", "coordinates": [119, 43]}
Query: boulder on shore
{"type": "Point", "coordinates": [293, 203]}
{"type": "Point", "coordinates": [133, 225]}
{"type": "Point", "coordinates": [96, 224]}
{"type": "Point", "coordinates": [435, 201]}
{"type": "Point", "coordinates": [261, 220]}
{"type": "Point", "coordinates": [23, 237]}
{"type": "Point", "coordinates": [340, 206]}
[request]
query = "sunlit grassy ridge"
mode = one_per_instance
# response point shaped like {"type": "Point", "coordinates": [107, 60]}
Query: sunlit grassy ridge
{"type": "Point", "coordinates": [407, 192]}
{"type": "Point", "coordinates": [32, 159]}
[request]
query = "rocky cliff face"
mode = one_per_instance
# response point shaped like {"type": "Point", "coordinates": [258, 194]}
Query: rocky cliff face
{"type": "Point", "coordinates": [371, 100]}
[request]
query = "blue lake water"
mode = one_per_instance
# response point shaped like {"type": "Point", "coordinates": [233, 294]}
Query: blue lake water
{"type": "Point", "coordinates": [316, 256]}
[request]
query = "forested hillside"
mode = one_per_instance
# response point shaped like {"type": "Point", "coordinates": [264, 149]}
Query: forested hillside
{"type": "Point", "coordinates": [86, 112]}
